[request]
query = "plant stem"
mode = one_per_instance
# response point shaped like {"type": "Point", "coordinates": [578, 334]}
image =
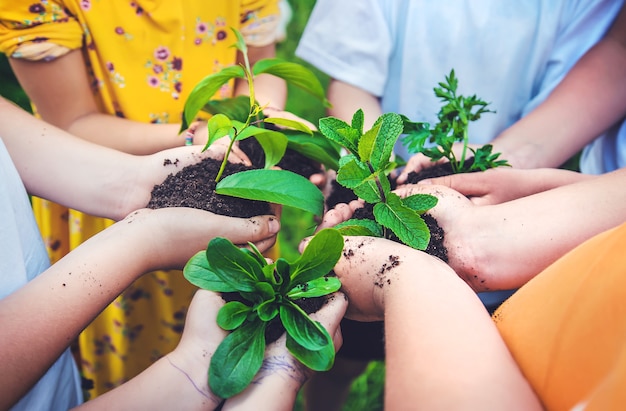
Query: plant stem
{"type": "Point", "coordinates": [464, 152]}
{"type": "Point", "coordinates": [225, 159]}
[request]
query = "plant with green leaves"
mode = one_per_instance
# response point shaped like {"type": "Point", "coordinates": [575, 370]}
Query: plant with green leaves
{"type": "Point", "coordinates": [268, 292]}
{"type": "Point", "coordinates": [365, 170]}
{"type": "Point", "coordinates": [452, 127]}
{"type": "Point", "coordinates": [242, 117]}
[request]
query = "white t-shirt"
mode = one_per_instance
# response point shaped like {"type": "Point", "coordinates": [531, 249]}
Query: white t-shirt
{"type": "Point", "coordinates": [23, 257]}
{"type": "Point", "coordinates": [509, 53]}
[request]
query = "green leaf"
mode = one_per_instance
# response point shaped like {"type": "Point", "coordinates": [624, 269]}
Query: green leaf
{"type": "Point", "coordinates": [361, 227]}
{"type": "Point", "coordinates": [273, 143]}
{"type": "Point", "coordinates": [352, 172]}
{"type": "Point", "coordinates": [234, 266]}
{"type": "Point", "coordinates": [265, 290]}
{"type": "Point", "coordinates": [366, 143]}
{"type": "Point", "coordinates": [205, 90]}
{"type": "Point", "coordinates": [232, 315]}
{"type": "Point", "coordinates": [376, 145]}
{"type": "Point", "coordinates": [241, 42]}
{"type": "Point", "coordinates": [404, 222]}
{"type": "Point", "coordinates": [293, 124]}
{"type": "Point", "coordinates": [387, 134]}
{"type": "Point", "coordinates": [373, 188]}
{"type": "Point", "coordinates": [357, 121]}
{"type": "Point", "coordinates": [267, 310]}
{"type": "Point", "coordinates": [198, 273]}
{"type": "Point", "coordinates": [274, 146]}
{"type": "Point", "coordinates": [420, 203]}
{"type": "Point", "coordinates": [276, 186]}
{"type": "Point", "coordinates": [219, 126]}
{"type": "Point", "coordinates": [318, 258]}
{"type": "Point", "coordinates": [235, 108]}
{"type": "Point", "coordinates": [340, 132]}
{"type": "Point", "coordinates": [316, 148]}
{"type": "Point", "coordinates": [315, 288]}
{"type": "Point", "coordinates": [237, 359]}
{"type": "Point", "coordinates": [306, 332]}
{"type": "Point", "coordinates": [255, 253]}
{"type": "Point", "coordinates": [320, 360]}
{"type": "Point", "coordinates": [292, 73]}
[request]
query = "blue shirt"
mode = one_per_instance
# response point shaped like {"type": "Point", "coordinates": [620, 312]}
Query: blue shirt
{"type": "Point", "coordinates": [23, 256]}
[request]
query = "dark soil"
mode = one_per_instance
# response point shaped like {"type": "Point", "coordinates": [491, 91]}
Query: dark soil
{"type": "Point", "coordinates": [194, 186]}
{"type": "Point", "coordinates": [437, 170]}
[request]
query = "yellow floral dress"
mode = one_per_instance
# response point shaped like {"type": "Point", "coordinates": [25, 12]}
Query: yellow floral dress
{"type": "Point", "coordinates": [143, 57]}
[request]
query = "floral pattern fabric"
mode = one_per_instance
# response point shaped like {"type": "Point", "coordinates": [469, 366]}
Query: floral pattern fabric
{"type": "Point", "coordinates": [143, 58]}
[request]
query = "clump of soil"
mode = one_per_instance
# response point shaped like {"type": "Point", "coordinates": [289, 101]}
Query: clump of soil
{"type": "Point", "coordinates": [435, 246]}
{"type": "Point", "coordinates": [194, 186]}
{"type": "Point", "coordinates": [434, 171]}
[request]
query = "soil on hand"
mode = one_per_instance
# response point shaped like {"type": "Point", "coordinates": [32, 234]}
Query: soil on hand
{"type": "Point", "coordinates": [434, 171]}
{"type": "Point", "coordinates": [194, 186]}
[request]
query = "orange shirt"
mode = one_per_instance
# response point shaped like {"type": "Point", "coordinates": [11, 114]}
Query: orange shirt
{"type": "Point", "coordinates": [566, 328]}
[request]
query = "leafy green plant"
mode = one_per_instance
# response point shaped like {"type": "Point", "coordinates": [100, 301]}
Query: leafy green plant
{"type": "Point", "coordinates": [242, 117]}
{"type": "Point", "coordinates": [268, 292]}
{"type": "Point", "coordinates": [365, 170]}
{"type": "Point", "coordinates": [453, 122]}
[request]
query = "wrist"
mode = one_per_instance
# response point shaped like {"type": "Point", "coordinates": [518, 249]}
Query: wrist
{"type": "Point", "coordinates": [192, 376]}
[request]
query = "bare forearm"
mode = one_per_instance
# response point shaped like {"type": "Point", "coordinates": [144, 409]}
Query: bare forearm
{"type": "Point", "coordinates": [510, 243]}
{"type": "Point", "coordinates": [41, 319]}
{"type": "Point", "coordinates": [442, 348]}
{"type": "Point", "coordinates": [162, 386]}
{"type": "Point", "coordinates": [126, 135]}
{"type": "Point", "coordinates": [347, 99]}
{"type": "Point", "coordinates": [63, 168]}
{"type": "Point", "coordinates": [60, 90]}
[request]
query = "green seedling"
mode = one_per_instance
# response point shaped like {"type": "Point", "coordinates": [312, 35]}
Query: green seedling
{"type": "Point", "coordinates": [268, 291]}
{"type": "Point", "coordinates": [452, 127]}
{"type": "Point", "coordinates": [242, 117]}
{"type": "Point", "coordinates": [365, 171]}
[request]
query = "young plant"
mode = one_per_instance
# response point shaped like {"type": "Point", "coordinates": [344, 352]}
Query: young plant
{"type": "Point", "coordinates": [242, 117]}
{"type": "Point", "coordinates": [454, 118]}
{"type": "Point", "coordinates": [268, 292]}
{"type": "Point", "coordinates": [365, 171]}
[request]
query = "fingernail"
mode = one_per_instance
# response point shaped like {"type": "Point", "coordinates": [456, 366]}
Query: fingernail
{"type": "Point", "coordinates": [427, 181]}
{"type": "Point", "coordinates": [274, 225]}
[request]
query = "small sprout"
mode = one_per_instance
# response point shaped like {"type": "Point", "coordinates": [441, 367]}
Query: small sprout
{"type": "Point", "coordinates": [454, 118]}
{"type": "Point", "coordinates": [365, 171]}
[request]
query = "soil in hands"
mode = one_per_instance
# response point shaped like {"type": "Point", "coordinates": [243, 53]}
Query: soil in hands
{"type": "Point", "coordinates": [436, 170]}
{"type": "Point", "coordinates": [194, 186]}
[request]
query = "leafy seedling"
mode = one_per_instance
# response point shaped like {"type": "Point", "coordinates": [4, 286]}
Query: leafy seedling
{"type": "Point", "coordinates": [365, 170]}
{"type": "Point", "coordinates": [242, 117]}
{"type": "Point", "coordinates": [452, 127]}
{"type": "Point", "coordinates": [268, 291]}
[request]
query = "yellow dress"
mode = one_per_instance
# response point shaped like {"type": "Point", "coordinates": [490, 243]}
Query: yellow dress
{"type": "Point", "coordinates": [144, 57]}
